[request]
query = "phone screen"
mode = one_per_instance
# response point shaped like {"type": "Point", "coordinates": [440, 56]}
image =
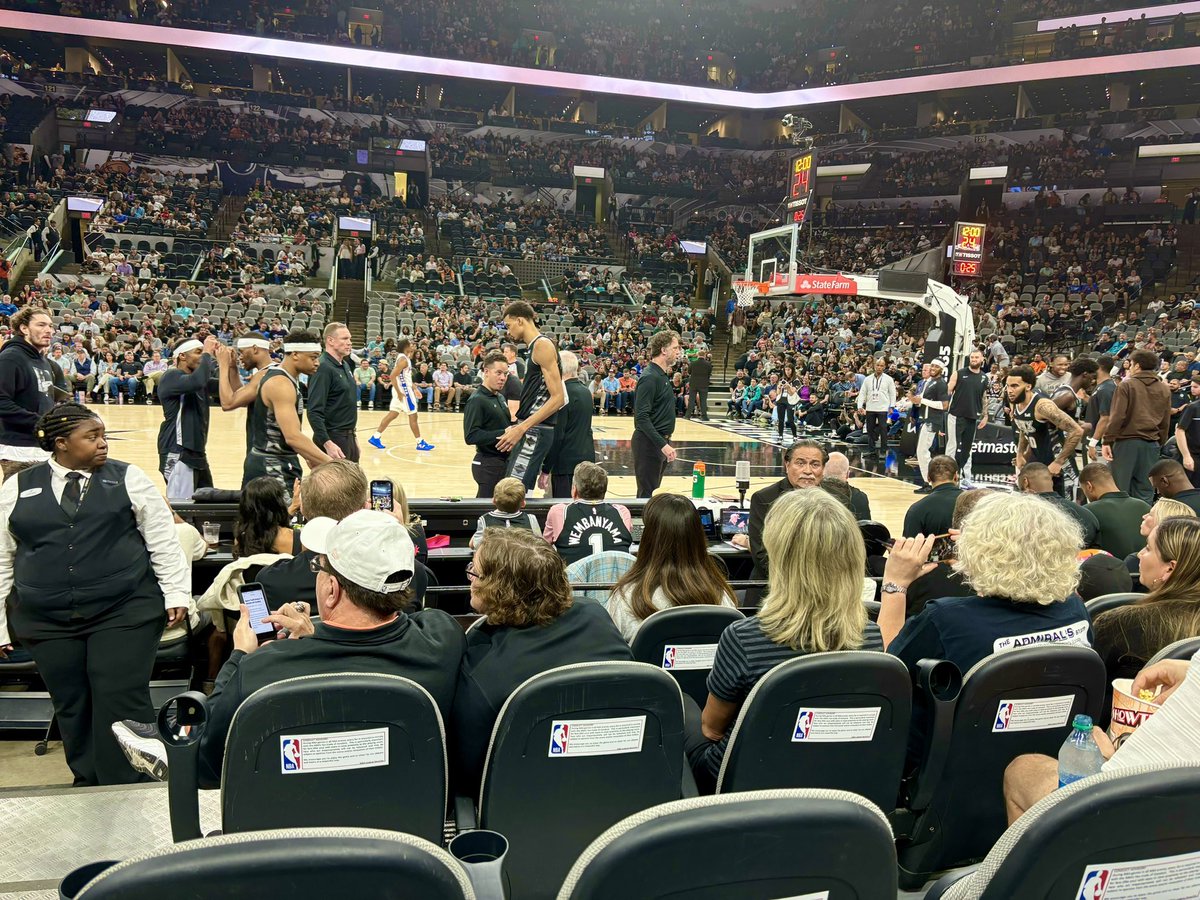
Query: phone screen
{"type": "Point", "coordinates": [256, 602]}
{"type": "Point", "coordinates": [381, 495]}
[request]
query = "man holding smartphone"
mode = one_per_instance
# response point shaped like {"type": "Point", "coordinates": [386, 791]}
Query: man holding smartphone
{"type": "Point", "coordinates": [363, 566]}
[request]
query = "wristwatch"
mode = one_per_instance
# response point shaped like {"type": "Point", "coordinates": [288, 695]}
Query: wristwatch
{"type": "Point", "coordinates": [890, 587]}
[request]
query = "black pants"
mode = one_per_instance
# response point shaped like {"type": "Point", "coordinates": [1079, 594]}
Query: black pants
{"type": "Point", "coordinates": [487, 470]}
{"type": "Point", "coordinates": [97, 675]}
{"type": "Point", "coordinates": [348, 441]}
{"type": "Point", "coordinates": [525, 460]}
{"type": "Point", "coordinates": [787, 417]}
{"type": "Point", "coordinates": [698, 405]}
{"type": "Point", "coordinates": [964, 436]}
{"type": "Point", "coordinates": [648, 465]}
{"type": "Point", "coordinates": [560, 485]}
{"type": "Point", "coordinates": [877, 427]}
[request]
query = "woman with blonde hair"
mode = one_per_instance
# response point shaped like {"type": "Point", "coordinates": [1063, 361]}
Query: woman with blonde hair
{"type": "Point", "coordinates": [1169, 564]}
{"type": "Point", "coordinates": [531, 624]}
{"type": "Point", "coordinates": [673, 567]}
{"type": "Point", "coordinates": [813, 605]}
{"type": "Point", "coordinates": [1017, 553]}
{"type": "Point", "coordinates": [1165, 508]}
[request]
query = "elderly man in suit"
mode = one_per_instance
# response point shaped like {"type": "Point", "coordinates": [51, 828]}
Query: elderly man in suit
{"type": "Point", "coordinates": [803, 467]}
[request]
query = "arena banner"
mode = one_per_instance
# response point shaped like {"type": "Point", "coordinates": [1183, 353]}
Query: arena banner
{"type": "Point", "coordinates": [939, 344]}
{"type": "Point", "coordinates": [995, 447]}
{"type": "Point", "coordinates": [817, 283]}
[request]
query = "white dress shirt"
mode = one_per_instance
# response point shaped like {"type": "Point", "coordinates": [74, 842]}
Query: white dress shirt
{"type": "Point", "coordinates": [154, 520]}
{"type": "Point", "coordinates": [878, 393]}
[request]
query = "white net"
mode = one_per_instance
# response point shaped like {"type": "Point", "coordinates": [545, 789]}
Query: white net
{"type": "Point", "coordinates": [747, 292]}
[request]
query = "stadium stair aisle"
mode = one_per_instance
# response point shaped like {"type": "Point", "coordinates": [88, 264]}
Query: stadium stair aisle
{"type": "Point", "coordinates": [227, 215]}
{"type": "Point", "coordinates": [351, 301]}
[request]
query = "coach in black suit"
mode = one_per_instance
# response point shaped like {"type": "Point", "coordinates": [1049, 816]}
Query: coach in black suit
{"type": "Point", "coordinates": [803, 467]}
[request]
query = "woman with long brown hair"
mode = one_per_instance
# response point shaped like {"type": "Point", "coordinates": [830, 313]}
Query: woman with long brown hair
{"type": "Point", "coordinates": [673, 567]}
{"type": "Point", "coordinates": [1169, 565]}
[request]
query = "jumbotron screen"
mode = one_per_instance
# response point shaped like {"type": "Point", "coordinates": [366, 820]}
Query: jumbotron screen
{"type": "Point", "coordinates": [800, 185]}
{"type": "Point", "coordinates": [966, 253]}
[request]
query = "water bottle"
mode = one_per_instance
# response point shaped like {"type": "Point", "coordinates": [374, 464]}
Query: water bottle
{"type": "Point", "coordinates": [1080, 756]}
{"type": "Point", "coordinates": [698, 481]}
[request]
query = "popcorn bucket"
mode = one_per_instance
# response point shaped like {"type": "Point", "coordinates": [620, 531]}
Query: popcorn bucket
{"type": "Point", "coordinates": [1128, 711]}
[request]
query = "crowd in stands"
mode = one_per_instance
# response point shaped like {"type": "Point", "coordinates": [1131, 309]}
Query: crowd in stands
{"type": "Point", "coordinates": [536, 230]}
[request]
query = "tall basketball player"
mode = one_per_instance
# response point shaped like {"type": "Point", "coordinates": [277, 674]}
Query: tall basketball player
{"type": "Point", "coordinates": [542, 396]}
{"type": "Point", "coordinates": [404, 399]}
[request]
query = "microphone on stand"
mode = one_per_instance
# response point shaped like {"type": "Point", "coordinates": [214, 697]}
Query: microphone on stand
{"type": "Point", "coordinates": [742, 480]}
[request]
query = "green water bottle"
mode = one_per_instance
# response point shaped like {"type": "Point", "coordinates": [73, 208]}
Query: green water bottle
{"type": "Point", "coordinates": [698, 481]}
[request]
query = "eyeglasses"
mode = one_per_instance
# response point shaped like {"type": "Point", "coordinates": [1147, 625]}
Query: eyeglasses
{"type": "Point", "coordinates": [472, 572]}
{"type": "Point", "coordinates": [316, 565]}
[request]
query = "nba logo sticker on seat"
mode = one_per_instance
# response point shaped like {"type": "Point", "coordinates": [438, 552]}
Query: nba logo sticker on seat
{"type": "Point", "coordinates": [1003, 714]}
{"type": "Point", "coordinates": [291, 754]}
{"type": "Point", "coordinates": [803, 725]}
{"type": "Point", "coordinates": [1094, 884]}
{"type": "Point", "coordinates": [668, 657]}
{"type": "Point", "coordinates": [558, 738]}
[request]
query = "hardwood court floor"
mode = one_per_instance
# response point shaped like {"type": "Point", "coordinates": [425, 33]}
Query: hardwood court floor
{"type": "Point", "coordinates": [446, 470]}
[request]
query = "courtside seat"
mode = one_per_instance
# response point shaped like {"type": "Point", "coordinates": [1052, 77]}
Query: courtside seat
{"type": "Point", "coordinates": [837, 721]}
{"type": "Point", "coordinates": [300, 864]}
{"type": "Point", "coordinates": [1182, 649]}
{"type": "Point", "coordinates": [1022, 701]}
{"type": "Point", "coordinates": [683, 641]}
{"type": "Point", "coordinates": [371, 753]}
{"type": "Point", "coordinates": [1075, 842]}
{"type": "Point", "coordinates": [1105, 602]}
{"type": "Point", "coordinates": [573, 751]}
{"type": "Point", "coordinates": [783, 843]}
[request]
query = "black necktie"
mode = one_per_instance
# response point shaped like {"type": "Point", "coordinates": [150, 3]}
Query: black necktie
{"type": "Point", "coordinates": [72, 493]}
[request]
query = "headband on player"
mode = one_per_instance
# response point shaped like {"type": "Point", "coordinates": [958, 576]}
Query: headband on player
{"type": "Point", "coordinates": [247, 343]}
{"type": "Point", "coordinates": [187, 346]}
{"type": "Point", "coordinates": [301, 348]}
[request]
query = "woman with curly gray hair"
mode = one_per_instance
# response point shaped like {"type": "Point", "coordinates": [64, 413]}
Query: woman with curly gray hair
{"type": "Point", "coordinates": [1017, 552]}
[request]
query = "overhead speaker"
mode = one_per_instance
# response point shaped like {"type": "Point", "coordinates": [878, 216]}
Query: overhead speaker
{"type": "Point", "coordinates": [896, 281]}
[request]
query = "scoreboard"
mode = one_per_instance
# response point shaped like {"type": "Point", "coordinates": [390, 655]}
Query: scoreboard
{"type": "Point", "coordinates": [801, 178]}
{"type": "Point", "coordinates": [966, 253]}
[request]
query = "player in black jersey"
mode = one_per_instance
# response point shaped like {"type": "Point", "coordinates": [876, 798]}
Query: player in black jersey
{"type": "Point", "coordinates": [1045, 433]}
{"type": "Point", "coordinates": [277, 443]}
{"type": "Point", "coordinates": [254, 355]}
{"type": "Point", "coordinates": [542, 395]}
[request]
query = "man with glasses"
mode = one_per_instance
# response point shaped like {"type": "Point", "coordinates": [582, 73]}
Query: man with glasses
{"type": "Point", "coordinates": [363, 567]}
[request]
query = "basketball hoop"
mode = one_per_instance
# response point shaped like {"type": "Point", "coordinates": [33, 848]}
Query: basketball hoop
{"type": "Point", "coordinates": [746, 291]}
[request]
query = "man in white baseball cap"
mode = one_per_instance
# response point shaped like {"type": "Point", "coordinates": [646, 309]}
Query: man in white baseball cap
{"type": "Point", "coordinates": [364, 564]}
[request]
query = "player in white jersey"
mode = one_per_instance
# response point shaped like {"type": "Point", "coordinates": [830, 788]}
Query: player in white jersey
{"type": "Point", "coordinates": [404, 399]}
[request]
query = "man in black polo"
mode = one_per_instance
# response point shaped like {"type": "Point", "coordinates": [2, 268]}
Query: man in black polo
{"type": "Point", "coordinates": [573, 440]}
{"type": "Point", "coordinates": [333, 397]}
{"type": "Point", "coordinates": [366, 564]}
{"type": "Point", "coordinates": [485, 418]}
{"type": "Point", "coordinates": [654, 414]}
{"type": "Point", "coordinates": [1035, 478]}
{"type": "Point", "coordinates": [700, 371]}
{"type": "Point", "coordinates": [968, 412]}
{"type": "Point", "coordinates": [1170, 479]}
{"type": "Point", "coordinates": [933, 514]}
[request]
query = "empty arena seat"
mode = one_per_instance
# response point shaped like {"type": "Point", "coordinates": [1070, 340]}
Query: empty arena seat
{"type": "Point", "coordinates": [372, 753]}
{"type": "Point", "coordinates": [683, 641]}
{"type": "Point", "coordinates": [794, 843]}
{"type": "Point", "coordinates": [573, 751]}
{"type": "Point", "coordinates": [1011, 703]}
{"type": "Point", "coordinates": [1088, 836]}
{"type": "Point", "coordinates": [1105, 602]}
{"type": "Point", "coordinates": [1181, 649]}
{"type": "Point", "coordinates": [826, 720]}
{"type": "Point", "coordinates": [301, 864]}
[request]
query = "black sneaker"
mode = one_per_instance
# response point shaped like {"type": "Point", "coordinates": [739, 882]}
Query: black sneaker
{"type": "Point", "coordinates": [142, 746]}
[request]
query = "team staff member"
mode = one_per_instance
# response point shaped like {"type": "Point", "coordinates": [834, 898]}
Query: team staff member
{"type": "Point", "coordinates": [573, 442]}
{"type": "Point", "coordinates": [542, 395]}
{"type": "Point", "coordinates": [933, 400]}
{"type": "Point", "coordinates": [333, 397]}
{"type": "Point", "coordinates": [876, 400]}
{"type": "Point", "coordinates": [968, 412]}
{"type": "Point", "coordinates": [654, 414]}
{"type": "Point", "coordinates": [183, 435]}
{"type": "Point", "coordinates": [254, 355]}
{"type": "Point", "coordinates": [276, 440]}
{"type": "Point", "coordinates": [485, 419]}
{"type": "Point", "coordinates": [803, 467]}
{"type": "Point", "coordinates": [91, 554]}
{"type": "Point", "coordinates": [1138, 425]}
{"type": "Point", "coordinates": [27, 382]}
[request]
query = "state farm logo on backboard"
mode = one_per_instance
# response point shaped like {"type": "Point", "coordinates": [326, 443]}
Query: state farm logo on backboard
{"type": "Point", "coordinates": [825, 284]}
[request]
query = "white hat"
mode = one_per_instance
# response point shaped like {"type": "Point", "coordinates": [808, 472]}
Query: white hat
{"type": "Point", "coordinates": [368, 548]}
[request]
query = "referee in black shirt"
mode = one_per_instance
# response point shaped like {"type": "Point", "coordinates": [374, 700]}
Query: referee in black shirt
{"type": "Point", "coordinates": [333, 397]}
{"type": "Point", "coordinates": [654, 414]}
{"type": "Point", "coordinates": [485, 418]}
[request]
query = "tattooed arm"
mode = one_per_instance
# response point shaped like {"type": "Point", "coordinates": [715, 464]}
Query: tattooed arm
{"type": "Point", "coordinates": [1047, 411]}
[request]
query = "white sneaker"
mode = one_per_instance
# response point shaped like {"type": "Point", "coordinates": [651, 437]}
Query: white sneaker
{"type": "Point", "coordinates": [142, 746]}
